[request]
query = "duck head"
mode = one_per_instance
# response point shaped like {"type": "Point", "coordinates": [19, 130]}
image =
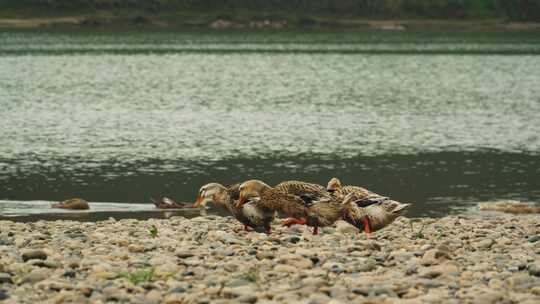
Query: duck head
{"type": "Point", "coordinates": [207, 193]}
{"type": "Point", "coordinates": [250, 190]}
{"type": "Point", "coordinates": [333, 185]}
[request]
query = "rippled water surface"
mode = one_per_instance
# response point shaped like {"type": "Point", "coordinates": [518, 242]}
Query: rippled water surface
{"type": "Point", "coordinates": [442, 120]}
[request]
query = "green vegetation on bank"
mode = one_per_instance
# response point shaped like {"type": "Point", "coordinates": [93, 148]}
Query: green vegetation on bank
{"type": "Point", "coordinates": [323, 13]}
{"type": "Point", "coordinates": [522, 10]}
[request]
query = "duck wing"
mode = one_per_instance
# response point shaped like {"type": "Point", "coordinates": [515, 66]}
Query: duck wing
{"type": "Point", "coordinates": [371, 200]}
{"type": "Point", "coordinates": [362, 196]}
{"type": "Point", "coordinates": [383, 214]}
{"type": "Point", "coordinates": [321, 214]}
{"type": "Point", "coordinates": [257, 217]}
{"type": "Point", "coordinates": [234, 191]}
{"type": "Point", "coordinates": [288, 204]}
{"type": "Point", "coordinates": [238, 213]}
{"type": "Point", "coordinates": [354, 215]}
{"type": "Point", "coordinates": [309, 193]}
{"type": "Point", "coordinates": [359, 192]}
{"type": "Point", "coordinates": [394, 207]}
{"type": "Point", "coordinates": [168, 201]}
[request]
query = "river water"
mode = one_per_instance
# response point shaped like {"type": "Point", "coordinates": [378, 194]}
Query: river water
{"type": "Point", "coordinates": [442, 120]}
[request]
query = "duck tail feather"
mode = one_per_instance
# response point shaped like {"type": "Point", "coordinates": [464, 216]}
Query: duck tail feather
{"type": "Point", "coordinates": [400, 207]}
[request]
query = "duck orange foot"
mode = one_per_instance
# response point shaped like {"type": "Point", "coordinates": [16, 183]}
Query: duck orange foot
{"type": "Point", "coordinates": [367, 228]}
{"type": "Point", "coordinates": [293, 221]}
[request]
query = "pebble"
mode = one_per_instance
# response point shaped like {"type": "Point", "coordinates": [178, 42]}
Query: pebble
{"type": "Point", "coordinates": [153, 296]}
{"type": "Point", "coordinates": [265, 255]}
{"type": "Point", "coordinates": [334, 267]}
{"type": "Point", "coordinates": [44, 263]}
{"type": "Point", "coordinates": [37, 275]}
{"type": "Point", "coordinates": [434, 256]}
{"type": "Point", "coordinates": [438, 270]}
{"type": "Point", "coordinates": [484, 244]}
{"type": "Point", "coordinates": [345, 228]}
{"type": "Point", "coordinates": [534, 269]}
{"type": "Point", "coordinates": [490, 297]}
{"type": "Point", "coordinates": [184, 254]}
{"type": "Point", "coordinates": [483, 260]}
{"type": "Point", "coordinates": [292, 239]}
{"type": "Point", "coordinates": [70, 273]}
{"type": "Point", "coordinates": [366, 265]}
{"type": "Point", "coordinates": [6, 241]}
{"type": "Point", "coordinates": [136, 248]}
{"type": "Point", "coordinates": [5, 278]}
{"type": "Point", "coordinates": [296, 261]}
{"type": "Point", "coordinates": [285, 268]}
{"type": "Point", "coordinates": [238, 282]}
{"type": "Point", "coordinates": [174, 298]}
{"type": "Point", "coordinates": [33, 254]}
{"type": "Point", "coordinates": [534, 238]}
{"type": "Point", "coordinates": [247, 298]}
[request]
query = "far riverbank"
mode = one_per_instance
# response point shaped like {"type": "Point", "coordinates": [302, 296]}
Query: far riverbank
{"type": "Point", "coordinates": [166, 23]}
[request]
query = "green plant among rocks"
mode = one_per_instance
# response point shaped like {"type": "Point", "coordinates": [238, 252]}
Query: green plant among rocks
{"type": "Point", "coordinates": [441, 234]}
{"type": "Point", "coordinates": [153, 231]}
{"type": "Point", "coordinates": [252, 275]}
{"type": "Point", "coordinates": [418, 234]}
{"type": "Point", "coordinates": [139, 276]}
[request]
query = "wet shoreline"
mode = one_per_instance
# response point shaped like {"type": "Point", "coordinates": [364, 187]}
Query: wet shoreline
{"type": "Point", "coordinates": [35, 211]}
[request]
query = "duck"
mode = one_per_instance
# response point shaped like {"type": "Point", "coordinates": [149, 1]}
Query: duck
{"type": "Point", "coordinates": [337, 189]}
{"type": "Point", "coordinates": [514, 207]}
{"type": "Point", "coordinates": [167, 203]}
{"type": "Point", "coordinates": [304, 203]}
{"type": "Point", "coordinates": [378, 213]}
{"type": "Point", "coordinates": [251, 214]}
{"type": "Point", "coordinates": [72, 204]}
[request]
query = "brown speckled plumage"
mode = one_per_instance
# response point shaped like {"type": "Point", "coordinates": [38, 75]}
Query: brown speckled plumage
{"type": "Point", "coordinates": [362, 196]}
{"type": "Point", "coordinates": [514, 207]}
{"type": "Point", "coordinates": [298, 200]}
{"type": "Point", "coordinates": [167, 203]}
{"type": "Point", "coordinates": [251, 214]}
{"type": "Point", "coordinates": [322, 214]}
{"type": "Point", "coordinates": [379, 214]}
{"type": "Point", "coordinates": [72, 204]}
{"type": "Point", "coordinates": [309, 192]}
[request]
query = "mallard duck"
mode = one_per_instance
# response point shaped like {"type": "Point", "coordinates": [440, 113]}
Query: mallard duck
{"type": "Point", "coordinates": [305, 203]}
{"type": "Point", "coordinates": [514, 207]}
{"type": "Point", "coordinates": [251, 214]}
{"type": "Point", "coordinates": [379, 213]}
{"type": "Point", "coordinates": [167, 203]}
{"type": "Point", "coordinates": [72, 204]}
{"type": "Point", "coordinates": [360, 194]}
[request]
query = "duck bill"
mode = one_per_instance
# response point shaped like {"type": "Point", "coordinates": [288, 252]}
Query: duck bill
{"type": "Point", "coordinates": [198, 202]}
{"type": "Point", "coordinates": [241, 201]}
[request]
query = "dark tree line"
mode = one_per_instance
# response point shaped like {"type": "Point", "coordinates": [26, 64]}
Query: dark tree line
{"type": "Point", "coordinates": [522, 10]}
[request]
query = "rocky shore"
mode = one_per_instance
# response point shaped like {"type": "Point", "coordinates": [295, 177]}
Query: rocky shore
{"type": "Point", "coordinates": [204, 260]}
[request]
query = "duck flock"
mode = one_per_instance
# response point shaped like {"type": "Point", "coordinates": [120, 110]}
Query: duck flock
{"type": "Point", "coordinates": [255, 204]}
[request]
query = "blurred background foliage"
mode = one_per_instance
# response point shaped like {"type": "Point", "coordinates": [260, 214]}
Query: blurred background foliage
{"type": "Point", "coordinates": [512, 10]}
